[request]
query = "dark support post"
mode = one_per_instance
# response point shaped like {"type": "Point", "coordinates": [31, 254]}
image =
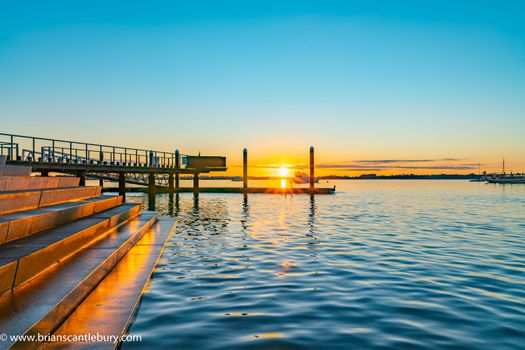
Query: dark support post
{"type": "Point", "coordinates": [44, 173]}
{"type": "Point", "coordinates": [312, 168]}
{"type": "Point", "coordinates": [82, 177]}
{"type": "Point", "coordinates": [245, 168]}
{"type": "Point", "coordinates": [170, 183]}
{"type": "Point", "coordinates": [177, 166]}
{"type": "Point", "coordinates": [151, 184]}
{"type": "Point", "coordinates": [122, 185]}
{"type": "Point", "coordinates": [196, 182]}
{"type": "Point", "coordinates": [101, 182]}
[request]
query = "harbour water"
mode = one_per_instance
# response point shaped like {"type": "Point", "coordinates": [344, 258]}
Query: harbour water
{"type": "Point", "coordinates": [380, 265]}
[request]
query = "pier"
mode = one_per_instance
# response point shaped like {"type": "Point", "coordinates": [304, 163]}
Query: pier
{"type": "Point", "coordinates": [157, 171]}
{"type": "Point", "coordinates": [150, 168]}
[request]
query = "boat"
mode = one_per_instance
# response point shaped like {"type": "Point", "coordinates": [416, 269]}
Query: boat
{"type": "Point", "coordinates": [302, 178]}
{"type": "Point", "coordinates": [506, 178]}
{"type": "Point", "coordinates": [482, 177]}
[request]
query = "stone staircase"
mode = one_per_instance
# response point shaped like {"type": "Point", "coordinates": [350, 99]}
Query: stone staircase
{"type": "Point", "coordinates": [58, 243]}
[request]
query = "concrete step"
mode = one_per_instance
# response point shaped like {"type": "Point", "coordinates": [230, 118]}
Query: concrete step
{"type": "Point", "coordinates": [25, 258]}
{"type": "Point", "coordinates": [109, 308]}
{"type": "Point", "coordinates": [41, 305]}
{"type": "Point", "coordinates": [16, 225]}
{"type": "Point", "coordinates": [20, 183]}
{"type": "Point", "coordinates": [15, 170]}
{"type": "Point", "coordinates": [12, 201]}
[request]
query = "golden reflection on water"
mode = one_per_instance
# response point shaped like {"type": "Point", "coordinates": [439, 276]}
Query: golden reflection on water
{"type": "Point", "coordinates": [395, 242]}
{"type": "Point", "coordinates": [269, 335]}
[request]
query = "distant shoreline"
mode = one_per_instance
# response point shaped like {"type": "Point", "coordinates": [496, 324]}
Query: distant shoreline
{"type": "Point", "coordinates": [362, 177]}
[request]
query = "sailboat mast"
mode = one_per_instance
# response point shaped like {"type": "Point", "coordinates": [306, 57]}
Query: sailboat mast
{"type": "Point", "coordinates": [503, 166]}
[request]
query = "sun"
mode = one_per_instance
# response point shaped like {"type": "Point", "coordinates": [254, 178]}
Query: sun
{"type": "Point", "coordinates": [283, 171]}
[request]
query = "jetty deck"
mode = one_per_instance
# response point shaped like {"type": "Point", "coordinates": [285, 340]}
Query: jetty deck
{"type": "Point", "coordinates": [267, 190]}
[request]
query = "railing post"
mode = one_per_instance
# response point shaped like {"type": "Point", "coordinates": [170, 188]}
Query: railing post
{"type": "Point", "coordinates": [151, 158]}
{"type": "Point", "coordinates": [177, 166]}
{"type": "Point", "coordinates": [11, 148]}
{"type": "Point", "coordinates": [101, 155]}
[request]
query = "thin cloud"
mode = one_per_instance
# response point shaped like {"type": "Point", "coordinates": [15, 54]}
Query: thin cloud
{"type": "Point", "coordinates": [356, 167]}
{"type": "Point", "coordinates": [272, 166]}
{"type": "Point", "coordinates": [389, 161]}
{"type": "Point", "coordinates": [378, 165]}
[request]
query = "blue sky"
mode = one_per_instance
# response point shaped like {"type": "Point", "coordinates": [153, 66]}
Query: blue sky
{"type": "Point", "coordinates": [357, 79]}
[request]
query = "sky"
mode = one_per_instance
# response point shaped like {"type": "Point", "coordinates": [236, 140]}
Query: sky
{"type": "Point", "coordinates": [375, 86]}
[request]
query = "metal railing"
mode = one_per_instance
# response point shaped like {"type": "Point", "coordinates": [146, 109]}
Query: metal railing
{"type": "Point", "coordinates": [40, 149]}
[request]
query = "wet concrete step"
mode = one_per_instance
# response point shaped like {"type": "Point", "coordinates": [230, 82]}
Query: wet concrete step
{"type": "Point", "coordinates": [17, 183]}
{"type": "Point", "coordinates": [17, 225]}
{"type": "Point", "coordinates": [25, 258]}
{"type": "Point", "coordinates": [110, 307]}
{"type": "Point", "coordinates": [12, 201]}
{"type": "Point", "coordinates": [41, 305]}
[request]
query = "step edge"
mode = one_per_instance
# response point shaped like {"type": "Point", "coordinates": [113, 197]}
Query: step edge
{"type": "Point", "coordinates": [42, 215]}
{"type": "Point", "coordinates": [103, 269]}
{"type": "Point", "coordinates": [39, 193]}
{"type": "Point", "coordinates": [133, 313]}
{"type": "Point", "coordinates": [109, 229]}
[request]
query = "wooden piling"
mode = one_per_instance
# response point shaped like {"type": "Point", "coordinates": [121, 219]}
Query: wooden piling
{"type": "Point", "coordinates": [196, 182]}
{"type": "Point", "coordinates": [312, 175]}
{"type": "Point", "coordinates": [82, 181]}
{"type": "Point", "coordinates": [245, 168]}
{"type": "Point", "coordinates": [122, 185]}
{"type": "Point", "coordinates": [151, 184]}
{"type": "Point", "coordinates": [170, 183]}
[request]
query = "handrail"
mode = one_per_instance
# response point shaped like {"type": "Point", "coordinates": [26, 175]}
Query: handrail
{"type": "Point", "coordinates": [80, 142]}
{"type": "Point", "coordinates": [55, 149]}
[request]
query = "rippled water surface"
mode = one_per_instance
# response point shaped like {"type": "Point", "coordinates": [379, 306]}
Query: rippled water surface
{"type": "Point", "coordinates": [379, 265]}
